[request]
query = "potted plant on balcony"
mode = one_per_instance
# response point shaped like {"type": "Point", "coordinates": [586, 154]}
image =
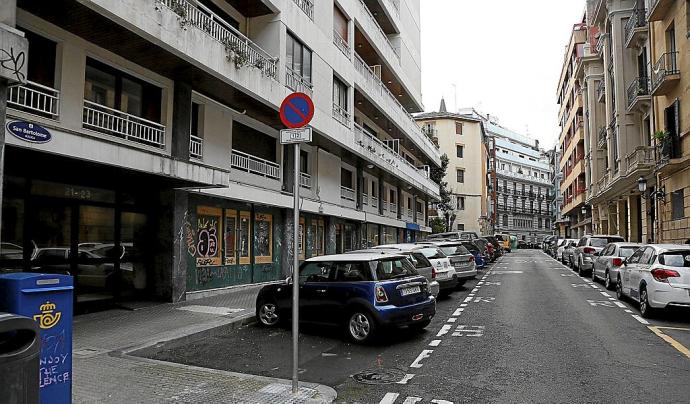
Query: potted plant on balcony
{"type": "Point", "coordinates": [663, 142]}
{"type": "Point", "coordinates": [178, 8]}
{"type": "Point", "coordinates": [236, 53]}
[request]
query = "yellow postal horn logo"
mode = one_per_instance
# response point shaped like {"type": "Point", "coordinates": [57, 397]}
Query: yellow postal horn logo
{"type": "Point", "coordinates": [48, 317]}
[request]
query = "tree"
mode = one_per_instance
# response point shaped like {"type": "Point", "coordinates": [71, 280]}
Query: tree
{"type": "Point", "coordinates": [437, 225]}
{"type": "Point", "coordinates": [437, 175]}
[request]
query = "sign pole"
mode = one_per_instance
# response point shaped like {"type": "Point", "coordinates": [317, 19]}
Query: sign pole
{"type": "Point", "coordinates": [295, 278]}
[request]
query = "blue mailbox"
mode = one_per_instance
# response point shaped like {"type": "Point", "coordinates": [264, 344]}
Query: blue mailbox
{"type": "Point", "coordinates": [47, 299]}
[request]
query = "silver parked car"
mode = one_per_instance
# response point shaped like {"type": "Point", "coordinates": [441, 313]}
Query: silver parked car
{"type": "Point", "coordinates": [560, 248]}
{"type": "Point", "coordinates": [460, 258]}
{"type": "Point", "coordinates": [568, 252]}
{"type": "Point", "coordinates": [587, 248]}
{"type": "Point", "coordinates": [609, 261]}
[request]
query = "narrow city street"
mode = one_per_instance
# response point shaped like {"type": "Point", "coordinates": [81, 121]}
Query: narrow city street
{"type": "Point", "coordinates": [527, 330]}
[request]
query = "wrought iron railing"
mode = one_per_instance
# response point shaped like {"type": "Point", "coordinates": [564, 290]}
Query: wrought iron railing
{"type": "Point", "coordinates": [196, 147]}
{"type": "Point", "coordinates": [255, 165]}
{"type": "Point", "coordinates": [121, 124]}
{"type": "Point", "coordinates": [342, 44]}
{"type": "Point", "coordinates": [307, 6]}
{"type": "Point", "coordinates": [393, 208]}
{"type": "Point", "coordinates": [601, 138]}
{"type": "Point", "coordinates": [600, 44]}
{"type": "Point", "coordinates": [666, 65]}
{"type": "Point", "coordinates": [341, 115]}
{"type": "Point", "coordinates": [295, 82]}
{"type": "Point", "coordinates": [198, 15]}
{"type": "Point", "coordinates": [409, 212]}
{"type": "Point", "coordinates": [601, 90]}
{"type": "Point", "coordinates": [638, 88]}
{"type": "Point", "coordinates": [347, 193]}
{"type": "Point", "coordinates": [365, 199]}
{"type": "Point", "coordinates": [378, 30]}
{"type": "Point", "coordinates": [35, 98]}
{"type": "Point", "coordinates": [305, 180]}
{"type": "Point", "coordinates": [637, 20]}
{"type": "Point", "coordinates": [374, 202]}
{"type": "Point", "coordinates": [641, 157]}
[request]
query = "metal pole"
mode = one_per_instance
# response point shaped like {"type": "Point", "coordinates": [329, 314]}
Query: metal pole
{"type": "Point", "coordinates": [295, 278]}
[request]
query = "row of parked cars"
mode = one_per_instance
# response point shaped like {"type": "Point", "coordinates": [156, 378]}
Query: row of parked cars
{"type": "Point", "coordinates": [657, 276]}
{"type": "Point", "coordinates": [392, 285]}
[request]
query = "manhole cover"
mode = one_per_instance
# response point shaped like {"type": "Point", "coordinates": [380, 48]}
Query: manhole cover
{"type": "Point", "coordinates": [379, 376]}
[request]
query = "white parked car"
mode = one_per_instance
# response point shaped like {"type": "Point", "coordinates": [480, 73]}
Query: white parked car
{"type": "Point", "coordinates": [657, 276]}
{"type": "Point", "coordinates": [609, 261]}
{"type": "Point", "coordinates": [445, 272]}
{"type": "Point", "coordinates": [562, 244]}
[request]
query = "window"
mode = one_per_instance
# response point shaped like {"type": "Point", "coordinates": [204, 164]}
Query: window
{"type": "Point", "coordinates": [317, 229]}
{"type": "Point", "coordinates": [346, 178]}
{"type": "Point", "coordinates": [340, 94]}
{"type": "Point", "coordinates": [230, 237]}
{"type": "Point", "coordinates": [678, 204]}
{"type": "Point", "coordinates": [547, 223]}
{"type": "Point", "coordinates": [196, 122]}
{"type": "Point", "coordinates": [314, 272]}
{"type": "Point", "coordinates": [461, 226]}
{"type": "Point", "coordinates": [419, 207]}
{"type": "Point", "coordinates": [505, 220]}
{"type": "Point", "coordinates": [460, 151]}
{"type": "Point", "coordinates": [458, 128]}
{"type": "Point", "coordinates": [304, 162]}
{"type": "Point", "coordinates": [539, 223]}
{"type": "Point", "coordinates": [249, 140]}
{"type": "Point", "coordinates": [263, 238]}
{"type": "Point", "coordinates": [374, 188]}
{"type": "Point", "coordinates": [298, 58]}
{"type": "Point", "coordinates": [245, 238]}
{"type": "Point", "coordinates": [340, 24]}
{"type": "Point", "coordinates": [460, 176]}
{"type": "Point", "coordinates": [207, 232]}
{"type": "Point", "coordinates": [461, 203]}
{"type": "Point", "coordinates": [503, 166]}
{"type": "Point", "coordinates": [392, 194]}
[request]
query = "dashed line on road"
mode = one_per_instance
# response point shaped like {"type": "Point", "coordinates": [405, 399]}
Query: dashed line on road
{"type": "Point", "coordinates": [435, 342]}
{"type": "Point", "coordinates": [444, 330]}
{"type": "Point", "coordinates": [418, 362]}
{"type": "Point", "coordinates": [640, 319]}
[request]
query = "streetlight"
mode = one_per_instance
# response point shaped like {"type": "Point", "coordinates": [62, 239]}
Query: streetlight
{"type": "Point", "coordinates": [642, 185]}
{"type": "Point", "coordinates": [584, 210]}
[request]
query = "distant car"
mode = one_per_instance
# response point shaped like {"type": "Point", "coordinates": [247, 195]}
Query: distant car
{"type": "Point", "coordinates": [445, 272]}
{"type": "Point", "coordinates": [560, 247]}
{"type": "Point", "coordinates": [454, 235]}
{"type": "Point", "coordinates": [473, 248]}
{"type": "Point", "coordinates": [461, 259]}
{"type": "Point", "coordinates": [569, 252]}
{"type": "Point", "coordinates": [611, 258]}
{"type": "Point", "coordinates": [504, 239]}
{"type": "Point", "coordinates": [423, 266]}
{"type": "Point", "coordinates": [657, 276]}
{"type": "Point", "coordinates": [360, 292]}
{"type": "Point", "coordinates": [547, 242]}
{"type": "Point", "coordinates": [498, 249]}
{"type": "Point", "coordinates": [587, 248]}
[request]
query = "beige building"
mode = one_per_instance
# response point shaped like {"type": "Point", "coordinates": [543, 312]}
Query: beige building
{"type": "Point", "coordinates": [462, 138]}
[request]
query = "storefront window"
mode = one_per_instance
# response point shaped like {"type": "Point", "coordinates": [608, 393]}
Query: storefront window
{"type": "Point", "coordinates": [390, 235]}
{"type": "Point", "coordinates": [207, 231]}
{"type": "Point", "coordinates": [245, 238]}
{"type": "Point", "coordinates": [230, 237]}
{"type": "Point", "coordinates": [349, 239]}
{"type": "Point", "coordinates": [372, 235]}
{"type": "Point", "coordinates": [318, 229]}
{"type": "Point", "coordinates": [264, 238]}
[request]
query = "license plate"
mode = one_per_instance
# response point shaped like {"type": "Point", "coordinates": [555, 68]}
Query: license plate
{"type": "Point", "coordinates": [410, 291]}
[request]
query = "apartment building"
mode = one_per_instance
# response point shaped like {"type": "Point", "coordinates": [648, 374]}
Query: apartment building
{"type": "Point", "coordinates": [463, 139]}
{"type": "Point", "coordinates": [555, 197]}
{"type": "Point", "coordinates": [669, 30]}
{"type": "Point", "coordinates": [572, 138]}
{"type": "Point", "coordinates": [143, 153]}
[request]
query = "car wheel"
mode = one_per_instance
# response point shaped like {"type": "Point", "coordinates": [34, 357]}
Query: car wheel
{"type": "Point", "coordinates": [607, 280]}
{"type": "Point", "coordinates": [619, 289]}
{"type": "Point", "coordinates": [361, 326]}
{"type": "Point", "coordinates": [645, 309]}
{"type": "Point", "coordinates": [267, 314]}
{"type": "Point", "coordinates": [420, 325]}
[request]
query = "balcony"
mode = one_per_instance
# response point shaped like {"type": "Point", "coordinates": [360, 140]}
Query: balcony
{"type": "Point", "coordinates": [659, 9]}
{"type": "Point", "coordinates": [601, 137]}
{"type": "Point", "coordinates": [636, 28]}
{"type": "Point", "coordinates": [524, 177]}
{"type": "Point", "coordinates": [341, 115]}
{"type": "Point", "coordinates": [382, 154]}
{"type": "Point", "coordinates": [347, 193]}
{"type": "Point", "coordinates": [342, 44]}
{"type": "Point", "coordinates": [642, 158]}
{"type": "Point", "coordinates": [392, 207]}
{"type": "Point", "coordinates": [665, 74]}
{"type": "Point", "coordinates": [123, 125]}
{"type": "Point", "coordinates": [378, 37]}
{"type": "Point", "coordinates": [196, 147]}
{"type": "Point", "coordinates": [305, 180]}
{"type": "Point", "coordinates": [599, 47]}
{"type": "Point", "coordinates": [296, 83]}
{"type": "Point", "coordinates": [372, 85]}
{"type": "Point", "coordinates": [638, 93]}
{"type": "Point", "coordinates": [409, 213]}
{"type": "Point", "coordinates": [36, 99]}
{"type": "Point", "coordinates": [374, 202]}
{"type": "Point", "coordinates": [198, 15]}
{"type": "Point", "coordinates": [307, 6]}
{"type": "Point", "coordinates": [602, 183]}
{"type": "Point", "coordinates": [254, 165]}
{"type": "Point", "coordinates": [601, 91]}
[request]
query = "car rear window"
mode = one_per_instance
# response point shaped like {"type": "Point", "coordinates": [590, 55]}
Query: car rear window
{"type": "Point", "coordinates": [626, 252]}
{"type": "Point", "coordinates": [603, 241]}
{"type": "Point", "coordinates": [393, 268]}
{"type": "Point", "coordinates": [454, 250]}
{"type": "Point", "coordinates": [419, 260]}
{"type": "Point", "coordinates": [499, 238]}
{"type": "Point", "coordinates": [471, 247]}
{"type": "Point", "coordinates": [675, 259]}
{"type": "Point", "coordinates": [433, 253]}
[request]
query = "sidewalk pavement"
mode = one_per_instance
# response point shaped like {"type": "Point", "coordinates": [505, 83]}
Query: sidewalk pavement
{"type": "Point", "coordinates": [105, 372]}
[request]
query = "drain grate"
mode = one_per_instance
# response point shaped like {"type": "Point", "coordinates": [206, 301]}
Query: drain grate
{"type": "Point", "coordinates": [379, 376]}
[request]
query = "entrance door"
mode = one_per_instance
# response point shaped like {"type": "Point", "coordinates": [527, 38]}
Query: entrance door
{"type": "Point", "coordinates": [50, 237]}
{"type": "Point", "coordinates": [97, 254]}
{"type": "Point", "coordinates": [133, 265]}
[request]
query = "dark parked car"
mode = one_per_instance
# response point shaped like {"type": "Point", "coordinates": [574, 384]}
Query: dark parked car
{"type": "Point", "coordinates": [360, 292]}
{"type": "Point", "coordinates": [498, 249]}
{"type": "Point", "coordinates": [486, 248]}
{"type": "Point", "coordinates": [474, 250]}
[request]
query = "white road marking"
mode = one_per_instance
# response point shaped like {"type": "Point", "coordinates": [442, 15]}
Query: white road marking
{"type": "Point", "coordinates": [619, 304]}
{"type": "Point", "coordinates": [463, 305]}
{"type": "Point", "coordinates": [604, 303]}
{"type": "Point", "coordinates": [578, 285]}
{"type": "Point", "coordinates": [484, 299]}
{"type": "Point", "coordinates": [567, 274]}
{"type": "Point", "coordinates": [628, 311]}
{"type": "Point", "coordinates": [594, 286]}
{"type": "Point", "coordinates": [458, 312]}
{"type": "Point", "coordinates": [467, 299]}
{"type": "Point", "coordinates": [406, 379]}
{"type": "Point", "coordinates": [480, 283]}
{"type": "Point", "coordinates": [493, 283]}
{"type": "Point", "coordinates": [469, 331]}
{"type": "Point", "coordinates": [640, 319]}
{"type": "Point", "coordinates": [452, 320]}
{"type": "Point", "coordinates": [508, 272]}
{"type": "Point", "coordinates": [605, 294]}
{"type": "Point", "coordinates": [475, 290]}
{"type": "Point", "coordinates": [417, 362]}
{"type": "Point", "coordinates": [444, 330]}
{"type": "Point", "coordinates": [441, 402]}
{"type": "Point", "coordinates": [389, 398]}
{"type": "Point", "coordinates": [412, 400]}
{"type": "Point", "coordinates": [435, 342]}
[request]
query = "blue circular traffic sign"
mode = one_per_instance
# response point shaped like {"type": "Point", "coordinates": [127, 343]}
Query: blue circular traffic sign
{"type": "Point", "coordinates": [297, 110]}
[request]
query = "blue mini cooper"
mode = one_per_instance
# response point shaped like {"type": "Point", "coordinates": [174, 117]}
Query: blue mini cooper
{"type": "Point", "coordinates": [361, 292]}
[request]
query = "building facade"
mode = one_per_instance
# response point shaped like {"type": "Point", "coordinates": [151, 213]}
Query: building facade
{"type": "Point", "coordinates": [555, 197]}
{"type": "Point", "coordinates": [463, 139]}
{"type": "Point", "coordinates": [144, 157]}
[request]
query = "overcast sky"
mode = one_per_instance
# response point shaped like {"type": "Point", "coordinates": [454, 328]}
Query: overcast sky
{"type": "Point", "coordinates": [504, 56]}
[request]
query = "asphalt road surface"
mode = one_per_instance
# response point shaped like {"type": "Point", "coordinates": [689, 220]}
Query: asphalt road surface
{"type": "Point", "coordinates": [527, 330]}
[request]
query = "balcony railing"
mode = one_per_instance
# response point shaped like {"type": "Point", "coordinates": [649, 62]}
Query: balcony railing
{"type": "Point", "coordinates": [297, 83]}
{"type": "Point", "coordinates": [305, 180]}
{"type": "Point", "coordinates": [409, 213]}
{"type": "Point", "coordinates": [599, 48]}
{"type": "Point", "coordinates": [365, 199]}
{"type": "Point", "coordinates": [601, 138]}
{"type": "Point", "coordinates": [658, 9]}
{"type": "Point", "coordinates": [200, 16]}
{"type": "Point", "coordinates": [378, 30]}
{"type": "Point", "coordinates": [255, 165]}
{"type": "Point", "coordinates": [393, 207]}
{"type": "Point", "coordinates": [196, 147]}
{"type": "Point", "coordinates": [666, 66]}
{"type": "Point", "coordinates": [117, 123]}
{"type": "Point", "coordinates": [396, 6]}
{"type": "Point", "coordinates": [638, 88]}
{"type": "Point", "coordinates": [347, 193]}
{"type": "Point", "coordinates": [641, 158]}
{"type": "Point", "coordinates": [601, 90]}
{"type": "Point", "coordinates": [342, 44]}
{"type": "Point", "coordinates": [636, 22]}
{"type": "Point", "coordinates": [392, 105]}
{"type": "Point", "coordinates": [341, 115]}
{"type": "Point", "coordinates": [374, 202]}
{"type": "Point", "coordinates": [35, 98]}
{"type": "Point", "coordinates": [525, 177]}
{"type": "Point", "coordinates": [307, 6]}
